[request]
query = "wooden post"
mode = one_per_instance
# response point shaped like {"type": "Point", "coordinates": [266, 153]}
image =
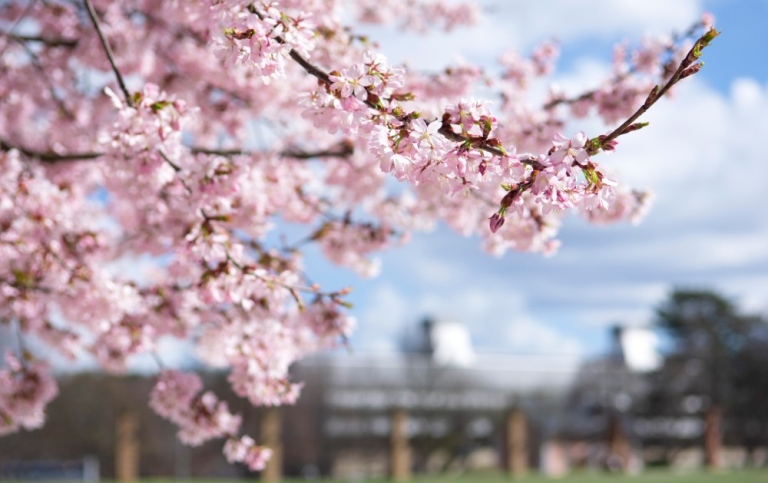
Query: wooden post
{"type": "Point", "coordinates": [400, 457]}
{"type": "Point", "coordinates": [271, 429]}
{"type": "Point", "coordinates": [713, 439]}
{"type": "Point", "coordinates": [126, 447]}
{"type": "Point", "coordinates": [619, 446]}
{"type": "Point", "coordinates": [517, 443]}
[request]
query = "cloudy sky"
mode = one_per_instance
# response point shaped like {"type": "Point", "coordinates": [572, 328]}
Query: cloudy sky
{"type": "Point", "coordinates": [704, 156]}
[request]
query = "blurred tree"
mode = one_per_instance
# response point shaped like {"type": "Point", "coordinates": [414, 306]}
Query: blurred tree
{"type": "Point", "coordinates": [707, 327]}
{"type": "Point", "coordinates": [719, 358]}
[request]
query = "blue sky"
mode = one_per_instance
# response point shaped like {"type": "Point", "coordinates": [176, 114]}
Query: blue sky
{"type": "Point", "coordinates": [703, 156]}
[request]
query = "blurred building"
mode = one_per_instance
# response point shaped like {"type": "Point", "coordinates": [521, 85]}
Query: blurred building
{"type": "Point", "coordinates": [455, 399]}
{"type": "Point", "coordinates": [449, 404]}
{"type": "Point", "coordinates": [633, 408]}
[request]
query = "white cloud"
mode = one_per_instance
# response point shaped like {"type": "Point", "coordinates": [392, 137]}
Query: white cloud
{"type": "Point", "coordinates": [703, 154]}
{"type": "Point", "coordinates": [746, 93]}
{"type": "Point", "coordinates": [521, 24]}
{"type": "Point", "coordinates": [527, 335]}
{"type": "Point", "coordinates": [570, 21]}
{"type": "Point", "coordinates": [497, 318]}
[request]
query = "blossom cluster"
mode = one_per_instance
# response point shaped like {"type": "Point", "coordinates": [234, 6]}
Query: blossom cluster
{"type": "Point", "coordinates": [26, 388]}
{"type": "Point", "coordinates": [165, 165]}
{"type": "Point", "coordinates": [200, 416]}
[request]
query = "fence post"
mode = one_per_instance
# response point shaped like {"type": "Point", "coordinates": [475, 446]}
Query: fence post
{"type": "Point", "coordinates": [517, 443]}
{"type": "Point", "coordinates": [618, 442]}
{"type": "Point", "coordinates": [126, 447]}
{"type": "Point", "coordinates": [713, 442]}
{"type": "Point", "coordinates": [271, 437]}
{"type": "Point", "coordinates": [400, 457]}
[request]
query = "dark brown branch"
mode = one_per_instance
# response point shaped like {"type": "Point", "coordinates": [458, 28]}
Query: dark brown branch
{"type": "Point", "coordinates": [168, 160]}
{"type": "Point", "coordinates": [343, 150]}
{"type": "Point", "coordinates": [50, 42]}
{"type": "Point", "coordinates": [311, 68]}
{"type": "Point", "coordinates": [108, 51]}
{"type": "Point", "coordinates": [446, 131]}
{"type": "Point", "coordinates": [325, 78]}
{"type": "Point", "coordinates": [50, 156]}
{"type": "Point", "coordinates": [220, 152]}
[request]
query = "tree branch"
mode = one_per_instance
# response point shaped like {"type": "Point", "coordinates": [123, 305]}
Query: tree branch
{"type": "Point", "coordinates": [669, 50]}
{"type": "Point", "coordinates": [325, 78]}
{"type": "Point", "coordinates": [343, 150]}
{"type": "Point", "coordinates": [50, 42]}
{"type": "Point", "coordinates": [35, 60]}
{"type": "Point", "coordinates": [50, 156]}
{"type": "Point", "coordinates": [108, 51]}
{"type": "Point", "coordinates": [687, 67]}
{"type": "Point", "coordinates": [16, 23]}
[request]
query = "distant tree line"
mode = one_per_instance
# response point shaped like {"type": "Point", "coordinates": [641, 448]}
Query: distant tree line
{"type": "Point", "coordinates": [718, 358]}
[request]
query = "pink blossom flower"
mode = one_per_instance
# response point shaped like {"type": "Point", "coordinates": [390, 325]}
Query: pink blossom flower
{"type": "Point", "coordinates": [397, 164]}
{"type": "Point", "coordinates": [245, 450]}
{"type": "Point", "coordinates": [568, 151]}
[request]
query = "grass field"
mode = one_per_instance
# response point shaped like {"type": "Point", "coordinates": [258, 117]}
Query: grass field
{"type": "Point", "coordinates": [651, 476]}
{"type": "Point", "coordinates": [753, 476]}
{"type": "Point", "coordinates": [648, 477]}
{"type": "Point", "coordinates": [654, 476]}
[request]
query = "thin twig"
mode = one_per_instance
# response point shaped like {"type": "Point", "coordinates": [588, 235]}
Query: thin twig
{"type": "Point", "coordinates": [158, 360]}
{"type": "Point", "coordinates": [325, 78]}
{"type": "Point", "coordinates": [168, 160]}
{"type": "Point", "coordinates": [669, 50]}
{"type": "Point", "coordinates": [17, 22]}
{"type": "Point", "coordinates": [50, 42]}
{"type": "Point", "coordinates": [344, 150]}
{"type": "Point", "coordinates": [657, 93]}
{"type": "Point", "coordinates": [49, 156]}
{"type": "Point", "coordinates": [23, 352]}
{"type": "Point", "coordinates": [108, 51]}
{"type": "Point", "coordinates": [51, 88]}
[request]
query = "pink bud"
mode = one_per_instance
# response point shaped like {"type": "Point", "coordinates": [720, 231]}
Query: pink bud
{"type": "Point", "coordinates": [496, 221]}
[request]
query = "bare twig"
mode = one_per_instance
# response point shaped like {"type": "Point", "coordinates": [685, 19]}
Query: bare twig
{"type": "Point", "coordinates": [48, 41]}
{"type": "Point", "coordinates": [687, 67]}
{"type": "Point", "coordinates": [39, 67]}
{"type": "Point", "coordinates": [325, 78]}
{"type": "Point", "coordinates": [675, 40]}
{"type": "Point", "coordinates": [50, 156]}
{"type": "Point", "coordinates": [108, 51]}
{"type": "Point", "coordinates": [23, 15]}
{"type": "Point", "coordinates": [341, 151]}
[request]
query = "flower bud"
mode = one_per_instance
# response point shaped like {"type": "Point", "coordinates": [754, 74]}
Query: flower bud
{"type": "Point", "coordinates": [496, 220]}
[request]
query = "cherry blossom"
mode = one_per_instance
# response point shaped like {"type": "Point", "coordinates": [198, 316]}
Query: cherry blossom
{"type": "Point", "coordinates": [218, 141]}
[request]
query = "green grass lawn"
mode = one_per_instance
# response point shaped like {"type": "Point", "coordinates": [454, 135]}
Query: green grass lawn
{"type": "Point", "coordinates": [651, 476]}
{"type": "Point", "coordinates": [752, 476]}
{"type": "Point", "coordinates": [648, 477]}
